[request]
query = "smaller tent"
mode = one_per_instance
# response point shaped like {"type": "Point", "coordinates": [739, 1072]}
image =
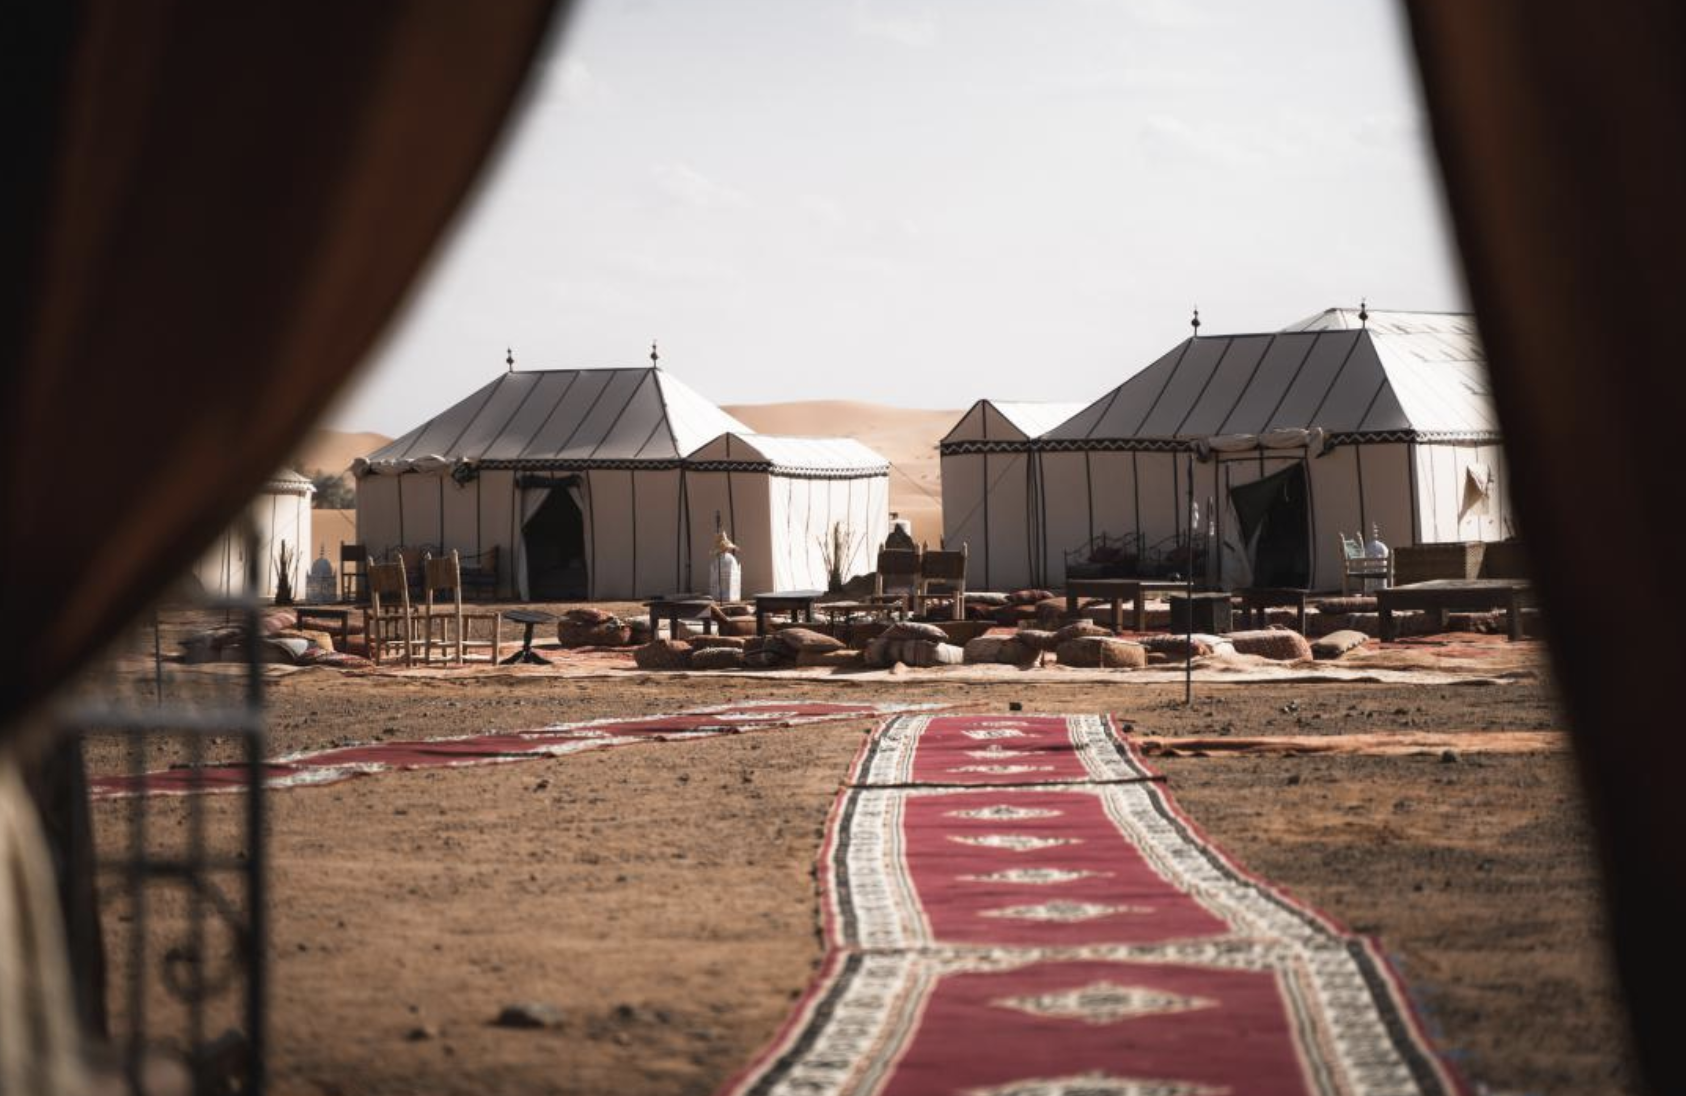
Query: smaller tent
{"type": "Point", "coordinates": [279, 515]}
{"type": "Point", "coordinates": [793, 506]}
{"type": "Point", "coordinates": [990, 491]}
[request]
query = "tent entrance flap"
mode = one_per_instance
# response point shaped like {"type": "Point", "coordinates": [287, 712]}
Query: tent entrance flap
{"type": "Point", "coordinates": [555, 541]}
{"type": "Point", "coordinates": [1275, 522]}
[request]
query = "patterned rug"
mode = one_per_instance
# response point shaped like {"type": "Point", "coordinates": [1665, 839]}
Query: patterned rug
{"type": "Point", "coordinates": [316, 768]}
{"type": "Point", "coordinates": [1014, 906]}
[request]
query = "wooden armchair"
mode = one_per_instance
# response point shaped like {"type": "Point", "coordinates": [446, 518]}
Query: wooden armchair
{"type": "Point", "coordinates": [942, 578]}
{"type": "Point", "coordinates": [354, 572]}
{"type": "Point", "coordinates": [897, 580]}
{"type": "Point", "coordinates": [389, 622]}
{"type": "Point", "coordinates": [447, 619]}
{"type": "Point", "coordinates": [1365, 569]}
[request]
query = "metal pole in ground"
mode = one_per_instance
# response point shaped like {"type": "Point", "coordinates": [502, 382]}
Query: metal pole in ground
{"type": "Point", "coordinates": [1188, 601]}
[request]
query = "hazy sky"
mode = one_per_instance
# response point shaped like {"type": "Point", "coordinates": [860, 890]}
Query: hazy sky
{"type": "Point", "coordinates": [927, 203]}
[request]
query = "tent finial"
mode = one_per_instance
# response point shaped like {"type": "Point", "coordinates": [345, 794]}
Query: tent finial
{"type": "Point", "coordinates": [1195, 323]}
{"type": "Point", "coordinates": [1364, 311]}
{"type": "Point", "coordinates": [509, 358]}
{"type": "Point", "coordinates": [655, 358]}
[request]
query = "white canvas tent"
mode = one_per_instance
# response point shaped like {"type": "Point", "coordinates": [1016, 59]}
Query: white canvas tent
{"type": "Point", "coordinates": [582, 479]}
{"type": "Point", "coordinates": [990, 496]}
{"type": "Point", "coordinates": [1387, 417]}
{"type": "Point", "coordinates": [280, 514]}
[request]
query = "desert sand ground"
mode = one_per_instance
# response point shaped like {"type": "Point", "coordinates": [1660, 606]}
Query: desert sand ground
{"type": "Point", "coordinates": [661, 894]}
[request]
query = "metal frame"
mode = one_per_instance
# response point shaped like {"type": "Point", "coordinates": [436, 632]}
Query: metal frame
{"type": "Point", "coordinates": [223, 891]}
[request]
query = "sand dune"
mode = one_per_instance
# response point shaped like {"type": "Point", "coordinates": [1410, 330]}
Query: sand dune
{"type": "Point", "coordinates": [906, 436]}
{"type": "Point", "coordinates": [326, 450]}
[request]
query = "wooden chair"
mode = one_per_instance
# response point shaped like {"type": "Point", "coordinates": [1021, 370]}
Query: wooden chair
{"type": "Point", "coordinates": [942, 578]}
{"type": "Point", "coordinates": [1356, 565]}
{"type": "Point", "coordinates": [897, 579]}
{"type": "Point", "coordinates": [388, 622]}
{"type": "Point", "coordinates": [354, 583]}
{"type": "Point", "coordinates": [445, 574]}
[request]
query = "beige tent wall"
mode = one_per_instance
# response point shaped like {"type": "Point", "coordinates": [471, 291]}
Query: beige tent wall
{"type": "Point", "coordinates": [277, 517]}
{"type": "Point", "coordinates": [803, 513]}
{"type": "Point", "coordinates": [1441, 473]}
{"type": "Point", "coordinates": [461, 512]}
{"type": "Point", "coordinates": [377, 512]}
{"type": "Point", "coordinates": [742, 499]}
{"type": "Point", "coordinates": [1006, 563]}
{"type": "Point", "coordinates": [657, 550]}
{"type": "Point", "coordinates": [494, 499]}
{"type": "Point", "coordinates": [420, 513]}
{"type": "Point", "coordinates": [611, 530]}
{"type": "Point", "coordinates": [963, 498]}
{"type": "Point", "coordinates": [1065, 492]}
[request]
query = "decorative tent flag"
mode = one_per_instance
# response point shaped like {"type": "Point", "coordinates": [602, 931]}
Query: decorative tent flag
{"type": "Point", "coordinates": [1051, 939]}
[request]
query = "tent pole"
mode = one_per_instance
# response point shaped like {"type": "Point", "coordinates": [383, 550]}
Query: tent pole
{"type": "Point", "coordinates": [1188, 604]}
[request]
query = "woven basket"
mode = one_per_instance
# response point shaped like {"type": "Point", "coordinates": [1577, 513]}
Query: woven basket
{"type": "Point", "coordinates": [1504, 559]}
{"type": "Point", "coordinates": [1424, 562]}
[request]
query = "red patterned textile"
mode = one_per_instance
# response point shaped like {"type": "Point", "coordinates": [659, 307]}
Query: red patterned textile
{"type": "Point", "coordinates": [1078, 937]}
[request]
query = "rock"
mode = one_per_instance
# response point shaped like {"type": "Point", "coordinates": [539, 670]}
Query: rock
{"type": "Point", "coordinates": [421, 1033]}
{"type": "Point", "coordinates": [843, 657]}
{"type": "Point", "coordinates": [717, 658]}
{"type": "Point", "coordinates": [1101, 652]}
{"type": "Point", "coordinates": [663, 654]}
{"type": "Point", "coordinates": [531, 1014]}
{"type": "Point", "coordinates": [1078, 629]}
{"type": "Point", "coordinates": [1336, 644]}
{"type": "Point", "coordinates": [1275, 643]}
{"type": "Point", "coordinates": [806, 639]}
{"type": "Point", "coordinates": [914, 629]}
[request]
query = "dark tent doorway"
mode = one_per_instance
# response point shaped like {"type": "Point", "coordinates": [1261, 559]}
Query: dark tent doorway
{"type": "Point", "coordinates": [555, 540]}
{"type": "Point", "coordinates": [1275, 517]}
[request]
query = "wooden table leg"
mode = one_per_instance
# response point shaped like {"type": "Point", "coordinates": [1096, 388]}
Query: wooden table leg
{"type": "Point", "coordinates": [1070, 604]}
{"type": "Point", "coordinates": [1515, 610]}
{"type": "Point", "coordinates": [1302, 614]}
{"type": "Point", "coordinates": [655, 624]}
{"type": "Point", "coordinates": [1386, 613]}
{"type": "Point", "coordinates": [1141, 609]}
{"type": "Point", "coordinates": [760, 620]}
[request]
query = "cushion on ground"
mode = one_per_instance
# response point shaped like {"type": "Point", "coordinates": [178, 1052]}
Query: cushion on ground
{"type": "Point", "coordinates": [1014, 615]}
{"type": "Point", "coordinates": [1077, 629]}
{"type": "Point", "coordinates": [588, 616]}
{"type": "Point", "coordinates": [736, 643]}
{"type": "Point", "coordinates": [1036, 639]}
{"type": "Point", "coordinates": [1177, 647]}
{"type": "Point", "coordinates": [989, 649]}
{"type": "Point", "coordinates": [922, 652]}
{"type": "Point", "coordinates": [914, 629]}
{"type": "Point", "coordinates": [1101, 652]}
{"type": "Point", "coordinates": [1336, 644]}
{"type": "Point", "coordinates": [593, 633]}
{"type": "Point", "coordinates": [663, 654]}
{"type": "Point", "coordinates": [1275, 643]}
{"type": "Point", "coordinates": [806, 639]}
{"type": "Point", "coordinates": [278, 620]}
{"type": "Point", "coordinates": [1028, 596]}
{"type": "Point", "coordinates": [320, 640]}
{"type": "Point", "coordinates": [1345, 605]}
{"type": "Point", "coordinates": [717, 658]}
{"type": "Point", "coordinates": [984, 598]}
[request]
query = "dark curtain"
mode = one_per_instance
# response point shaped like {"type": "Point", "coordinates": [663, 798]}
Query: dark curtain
{"type": "Point", "coordinates": [1276, 509]}
{"type": "Point", "coordinates": [1561, 130]}
{"type": "Point", "coordinates": [208, 213]}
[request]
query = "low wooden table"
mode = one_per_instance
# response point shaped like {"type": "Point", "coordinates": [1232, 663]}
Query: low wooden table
{"type": "Point", "coordinates": [1255, 601]}
{"type": "Point", "coordinates": [677, 607]}
{"type": "Point", "coordinates": [531, 618]}
{"type": "Point", "coordinates": [798, 603]}
{"type": "Point", "coordinates": [1118, 591]}
{"type": "Point", "coordinates": [1442, 595]}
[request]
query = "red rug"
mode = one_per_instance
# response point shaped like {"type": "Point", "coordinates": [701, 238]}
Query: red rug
{"type": "Point", "coordinates": [1069, 938]}
{"type": "Point", "coordinates": [332, 766]}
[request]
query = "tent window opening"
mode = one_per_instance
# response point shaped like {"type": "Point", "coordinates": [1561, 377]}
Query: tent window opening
{"type": "Point", "coordinates": [1274, 514]}
{"type": "Point", "coordinates": [555, 543]}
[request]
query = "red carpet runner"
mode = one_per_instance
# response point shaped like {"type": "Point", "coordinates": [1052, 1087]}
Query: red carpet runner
{"type": "Point", "coordinates": [332, 766]}
{"type": "Point", "coordinates": [1016, 907]}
